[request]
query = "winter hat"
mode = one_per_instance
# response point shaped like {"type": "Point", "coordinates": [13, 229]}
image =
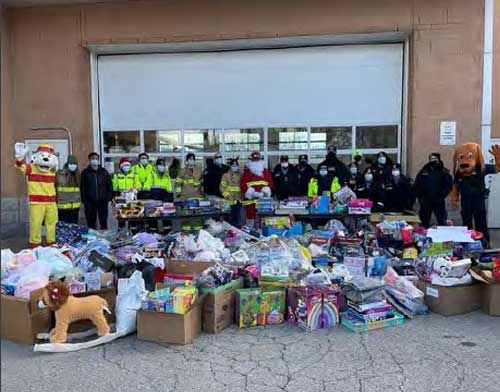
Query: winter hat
{"type": "Point", "coordinates": [72, 160]}
{"type": "Point", "coordinates": [123, 162]}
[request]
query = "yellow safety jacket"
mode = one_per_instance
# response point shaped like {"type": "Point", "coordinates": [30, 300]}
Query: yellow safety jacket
{"type": "Point", "coordinates": [68, 197]}
{"type": "Point", "coordinates": [161, 181]}
{"type": "Point", "coordinates": [312, 188]}
{"type": "Point", "coordinates": [41, 184]}
{"type": "Point", "coordinates": [230, 187]}
{"type": "Point", "coordinates": [124, 182]}
{"type": "Point", "coordinates": [143, 176]}
{"type": "Point", "coordinates": [188, 184]}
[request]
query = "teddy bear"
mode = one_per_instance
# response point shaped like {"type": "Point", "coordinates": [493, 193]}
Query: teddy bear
{"type": "Point", "coordinates": [40, 176]}
{"type": "Point", "coordinates": [469, 188]}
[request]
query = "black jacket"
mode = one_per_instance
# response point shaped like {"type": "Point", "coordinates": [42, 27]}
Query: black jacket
{"type": "Point", "coordinates": [356, 183]}
{"type": "Point", "coordinates": [212, 177]}
{"type": "Point", "coordinates": [433, 183]}
{"type": "Point", "coordinates": [399, 195]}
{"type": "Point", "coordinates": [96, 186]}
{"type": "Point", "coordinates": [285, 183]}
{"type": "Point", "coordinates": [304, 175]}
{"type": "Point", "coordinates": [472, 186]}
{"type": "Point", "coordinates": [341, 171]}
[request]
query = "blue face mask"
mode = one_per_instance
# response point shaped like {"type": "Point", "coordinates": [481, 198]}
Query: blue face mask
{"type": "Point", "coordinates": [160, 168]}
{"type": "Point", "coordinates": [126, 169]}
{"type": "Point", "coordinates": [354, 171]}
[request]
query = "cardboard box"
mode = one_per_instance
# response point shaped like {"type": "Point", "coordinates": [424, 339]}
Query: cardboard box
{"type": "Point", "coordinates": [490, 296]}
{"type": "Point", "coordinates": [181, 267]}
{"type": "Point", "coordinates": [22, 320]}
{"type": "Point", "coordinates": [453, 300]}
{"type": "Point", "coordinates": [170, 327]}
{"type": "Point", "coordinates": [109, 294]}
{"type": "Point", "coordinates": [218, 310]}
{"type": "Point", "coordinates": [260, 306]}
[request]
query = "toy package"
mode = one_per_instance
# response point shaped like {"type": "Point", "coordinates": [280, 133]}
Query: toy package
{"type": "Point", "coordinates": [260, 307]}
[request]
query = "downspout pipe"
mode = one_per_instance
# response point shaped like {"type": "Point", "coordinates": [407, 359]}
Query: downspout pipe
{"type": "Point", "coordinates": [487, 100]}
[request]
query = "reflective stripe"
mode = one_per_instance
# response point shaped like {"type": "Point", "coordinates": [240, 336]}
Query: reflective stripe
{"type": "Point", "coordinates": [68, 206]}
{"type": "Point", "coordinates": [42, 198]}
{"type": "Point", "coordinates": [233, 188]}
{"type": "Point", "coordinates": [248, 202]}
{"type": "Point", "coordinates": [68, 189]}
{"type": "Point", "coordinates": [254, 183]}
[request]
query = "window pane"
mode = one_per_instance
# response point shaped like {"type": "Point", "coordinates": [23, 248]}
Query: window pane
{"type": "Point", "coordinates": [282, 139]}
{"type": "Point", "coordinates": [243, 140]}
{"type": "Point", "coordinates": [322, 137]}
{"type": "Point", "coordinates": [385, 136]}
{"type": "Point", "coordinates": [204, 140]}
{"type": "Point", "coordinates": [122, 142]}
{"type": "Point", "coordinates": [162, 141]}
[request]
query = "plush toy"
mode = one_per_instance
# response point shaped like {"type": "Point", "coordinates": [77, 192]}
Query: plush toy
{"type": "Point", "coordinates": [40, 174]}
{"type": "Point", "coordinates": [67, 309]}
{"type": "Point", "coordinates": [468, 185]}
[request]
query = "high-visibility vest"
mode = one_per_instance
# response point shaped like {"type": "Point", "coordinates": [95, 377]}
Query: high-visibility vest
{"type": "Point", "coordinates": [230, 187]}
{"type": "Point", "coordinates": [161, 181]}
{"type": "Point", "coordinates": [41, 184]}
{"type": "Point", "coordinates": [312, 188]}
{"type": "Point", "coordinates": [123, 182]}
{"type": "Point", "coordinates": [143, 176]}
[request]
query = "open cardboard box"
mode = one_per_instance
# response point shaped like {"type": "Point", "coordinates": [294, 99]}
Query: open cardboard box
{"type": "Point", "coordinates": [452, 300]}
{"type": "Point", "coordinates": [182, 267]}
{"type": "Point", "coordinates": [170, 327]}
{"type": "Point", "coordinates": [490, 296]}
{"type": "Point", "coordinates": [22, 319]}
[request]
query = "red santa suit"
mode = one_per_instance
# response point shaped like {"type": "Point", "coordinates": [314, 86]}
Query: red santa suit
{"type": "Point", "coordinates": [254, 185]}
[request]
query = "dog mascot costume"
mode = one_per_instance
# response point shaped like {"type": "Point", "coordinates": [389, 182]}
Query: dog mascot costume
{"type": "Point", "coordinates": [468, 185]}
{"type": "Point", "coordinates": [40, 174]}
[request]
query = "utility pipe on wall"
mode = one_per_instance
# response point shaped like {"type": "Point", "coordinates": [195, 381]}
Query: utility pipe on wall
{"type": "Point", "coordinates": [487, 106]}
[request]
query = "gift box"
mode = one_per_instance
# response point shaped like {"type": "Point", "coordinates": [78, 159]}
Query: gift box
{"type": "Point", "coordinates": [260, 307]}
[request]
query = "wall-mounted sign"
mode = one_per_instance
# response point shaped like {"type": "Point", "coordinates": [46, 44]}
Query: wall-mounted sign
{"type": "Point", "coordinates": [448, 133]}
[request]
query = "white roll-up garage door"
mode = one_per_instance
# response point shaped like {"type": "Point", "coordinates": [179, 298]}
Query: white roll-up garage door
{"type": "Point", "coordinates": [308, 87]}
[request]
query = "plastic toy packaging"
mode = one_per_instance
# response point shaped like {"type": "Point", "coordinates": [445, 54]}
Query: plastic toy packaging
{"type": "Point", "coordinates": [12, 262]}
{"type": "Point", "coordinates": [59, 263]}
{"type": "Point", "coordinates": [345, 195]}
{"type": "Point", "coordinates": [29, 278]}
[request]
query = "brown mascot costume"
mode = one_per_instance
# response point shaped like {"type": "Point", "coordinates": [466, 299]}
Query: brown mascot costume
{"type": "Point", "coordinates": [469, 187]}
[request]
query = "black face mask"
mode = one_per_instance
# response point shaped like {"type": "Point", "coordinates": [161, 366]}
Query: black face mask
{"type": "Point", "coordinates": [331, 155]}
{"type": "Point", "coordinates": [303, 163]}
{"type": "Point", "coordinates": [357, 159]}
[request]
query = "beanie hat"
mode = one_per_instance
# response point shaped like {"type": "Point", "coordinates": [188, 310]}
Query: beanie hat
{"type": "Point", "coordinates": [123, 162]}
{"type": "Point", "coordinates": [72, 160]}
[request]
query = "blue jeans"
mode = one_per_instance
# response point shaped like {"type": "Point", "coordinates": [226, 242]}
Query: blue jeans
{"type": "Point", "coordinates": [235, 215]}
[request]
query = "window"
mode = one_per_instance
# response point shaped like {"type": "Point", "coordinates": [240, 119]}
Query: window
{"type": "Point", "coordinates": [377, 137]}
{"type": "Point", "coordinates": [287, 139]}
{"type": "Point", "coordinates": [322, 137]}
{"type": "Point", "coordinates": [120, 142]}
{"type": "Point", "coordinates": [162, 141]}
{"type": "Point", "coordinates": [204, 140]}
{"type": "Point", "coordinates": [236, 140]}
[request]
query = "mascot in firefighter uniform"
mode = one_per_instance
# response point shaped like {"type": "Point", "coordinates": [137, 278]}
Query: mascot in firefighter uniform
{"type": "Point", "coordinates": [256, 182]}
{"type": "Point", "coordinates": [40, 174]}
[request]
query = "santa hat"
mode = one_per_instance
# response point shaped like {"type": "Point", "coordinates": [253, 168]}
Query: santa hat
{"type": "Point", "coordinates": [123, 162]}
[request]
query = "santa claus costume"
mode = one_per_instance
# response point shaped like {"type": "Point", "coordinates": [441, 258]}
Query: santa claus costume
{"type": "Point", "coordinates": [256, 182]}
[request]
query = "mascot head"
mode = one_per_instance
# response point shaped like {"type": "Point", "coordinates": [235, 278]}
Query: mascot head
{"type": "Point", "coordinates": [467, 158]}
{"type": "Point", "coordinates": [44, 157]}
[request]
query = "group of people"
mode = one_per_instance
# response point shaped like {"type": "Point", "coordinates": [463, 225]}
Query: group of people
{"type": "Point", "coordinates": [380, 181]}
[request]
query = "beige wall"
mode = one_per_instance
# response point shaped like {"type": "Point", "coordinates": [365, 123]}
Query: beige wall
{"type": "Point", "coordinates": [50, 77]}
{"type": "Point", "coordinates": [495, 131]}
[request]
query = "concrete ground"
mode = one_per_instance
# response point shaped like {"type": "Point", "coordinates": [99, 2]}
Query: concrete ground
{"type": "Point", "coordinates": [430, 353]}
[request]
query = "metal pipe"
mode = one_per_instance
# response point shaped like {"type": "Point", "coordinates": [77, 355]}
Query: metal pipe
{"type": "Point", "coordinates": [58, 128]}
{"type": "Point", "coordinates": [487, 104]}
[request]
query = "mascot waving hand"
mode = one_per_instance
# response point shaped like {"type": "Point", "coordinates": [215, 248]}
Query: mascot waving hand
{"type": "Point", "coordinates": [40, 174]}
{"type": "Point", "coordinates": [469, 187]}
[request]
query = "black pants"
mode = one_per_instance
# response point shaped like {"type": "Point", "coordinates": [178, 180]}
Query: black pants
{"type": "Point", "coordinates": [93, 211]}
{"type": "Point", "coordinates": [475, 208]}
{"type": "Point", "coordinates": [427, 207]}
{"type": "Point", "coordinates": [235, 215]}
{"type": "Point", "coordinates": [68, 216]}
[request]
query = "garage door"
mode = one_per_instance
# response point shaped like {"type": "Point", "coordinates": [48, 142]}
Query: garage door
{"type": "Point", "coordinates": [291, 101]}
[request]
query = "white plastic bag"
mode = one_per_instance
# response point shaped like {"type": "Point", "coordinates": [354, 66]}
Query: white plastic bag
{"type": "Point", "coordinates": [30, 278]}
{"type": "Point", "coordinates": [6, 261]}
{"type": "Point", "coordinates": [131, 293]}
{"type": "Point", "coordinates": [60, 264]}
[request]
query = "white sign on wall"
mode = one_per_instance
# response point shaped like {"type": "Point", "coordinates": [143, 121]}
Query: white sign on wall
{"type": "Point", "coordinates": [448, 133]}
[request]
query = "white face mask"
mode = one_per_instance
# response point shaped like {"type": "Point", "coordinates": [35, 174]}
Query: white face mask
{"type": "Point", "coordinates": [160, 168]}
{"type": "Point", "coordinates": [235, 169]}
{"type": "Point", "coordinates": [72, 167]}
{"type": "Point", "coordinates": [323, 173]}
{"type": "Point", "coordinates": [354, 171]}
{"type": "Point", "coordinates": [94, 162]}
{"type": "Point", "coordinates": [396, 173]}
{"type": "Point", "coordinates": [284, 164]}
{"type": "Point", "coordinates": [144, 161]}
{"type": "Point", "coordinates": [190, 162]}
{"type": "Point", "coordinates": [126, 168]}
{"type": "Point", "coordinates": [218, 161]}
{"type": "Point", "coordinates": [369, 177]}
{"type": "Point", "coordinates": [382, 160]}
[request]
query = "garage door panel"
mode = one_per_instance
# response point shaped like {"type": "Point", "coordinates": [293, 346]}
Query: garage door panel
{"type": "Point", "coordinates": [257, 88]}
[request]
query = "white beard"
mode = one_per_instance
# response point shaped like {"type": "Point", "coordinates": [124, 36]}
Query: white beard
{"type": "Point", "coordinates": [256, 167]}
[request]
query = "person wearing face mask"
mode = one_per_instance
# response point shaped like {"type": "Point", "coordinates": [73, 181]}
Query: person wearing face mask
{"type": "Point", "coordinates": [284, 179]}
{"type": "Point", "coordinates": [96, 191]}
{"type": "Point", "coordinates": [230, 190]}
{"type": "Point", "coordinates": [356, 180]}
{"type": "Point", "coordinates": [432, 185]}
{"type": "Point", "coordinates": [304, 172]}
{"type": "Point", "coordinates": [399, 192]}
{"type": "Point", "coordinates": [212, 175]}
{"type": "Point", "coordinates": [333, 162]}
{"type": "Point", "coordinates": [161, 186]}
{"type": "Point", "coordinates": [142, 171]}
{"type": "Point", "coordinates": [188, 182]}
{"type": "Point", "coordinates": [325, 183]}
{"type": "Point", "coordinates": [68, 191]}
{"type": "Point", "coordinates": [382, 168]}
{"type": "Point", "coordinates": [256, 182]}
{"type": "Point", "coordinates": [125, 179]}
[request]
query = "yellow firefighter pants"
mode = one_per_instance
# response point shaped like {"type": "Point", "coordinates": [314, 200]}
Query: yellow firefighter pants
{"type": "Point", "coordinates": [38, 214]}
